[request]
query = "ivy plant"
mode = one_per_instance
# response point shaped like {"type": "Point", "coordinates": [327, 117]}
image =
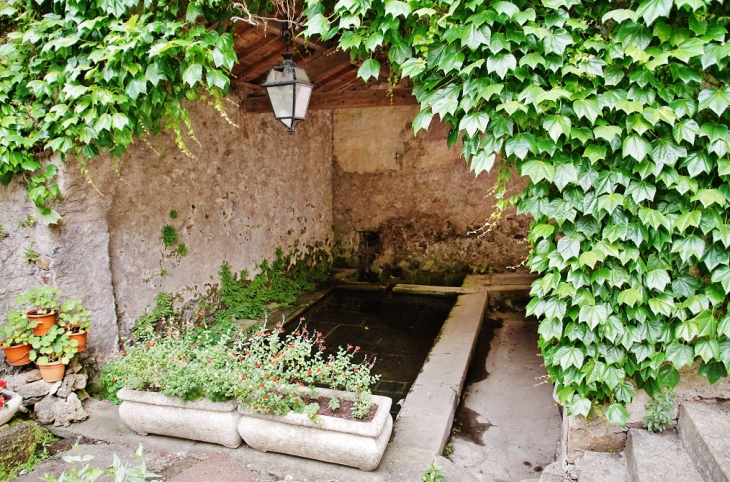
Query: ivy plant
{"type": "Point", "coordinates": [617, 112]}
{"type": "Point", "coordinates": [85, 76]}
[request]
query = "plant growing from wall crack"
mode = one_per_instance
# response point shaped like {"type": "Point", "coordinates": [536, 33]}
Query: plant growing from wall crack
{"type": "Point", "coordinates": [617, 113]}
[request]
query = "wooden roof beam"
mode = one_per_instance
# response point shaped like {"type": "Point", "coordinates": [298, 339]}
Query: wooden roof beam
{"type": "Point", "coordinates": [341, 100]}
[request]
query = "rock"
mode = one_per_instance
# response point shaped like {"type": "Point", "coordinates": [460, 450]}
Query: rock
{"type": "Point", "coordinates": [82, 394]}
{"type": "Point", "coordinates": [21, 379]}
{"type": "Point", "coordinates": [74, 366]}
{"type": "Point", "coordinates": [37, 389]}
{"type": "Point", "coordinates": [44, 409]}
{"type": "Point", "coordinates": [69, 410]}
{"type": "Point", "coordinates": [70, 384]}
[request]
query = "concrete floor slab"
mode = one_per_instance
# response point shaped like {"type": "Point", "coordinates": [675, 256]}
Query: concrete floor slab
{"type": "Point", "coordinates": [509, 420]}
{"type": "Point", "coordinates": [704, 429]}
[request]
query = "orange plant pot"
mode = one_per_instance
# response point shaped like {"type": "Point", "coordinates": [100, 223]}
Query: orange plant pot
{"type": "Point", "coordinates": [52, 372]}
{"type": "Point", "coordinates": [43, 322]}
{"type": "Point", "coordinates": [17, 355]}
{"type": "Point", "coordinates": [80, 339]}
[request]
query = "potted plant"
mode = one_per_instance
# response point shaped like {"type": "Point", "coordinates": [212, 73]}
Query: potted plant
{"type": "Point", "coordinates": [52, 352]}
{"type": "Point", "coordinates": [16, 336]}
{"type": "Point", "coordinates": [76, 320]}
{"type": "Point", "coordinates": [42, 306]}
{"type": "Point", "coordinates": [10, 402]}
{"type": "Point", "coordinates": [181, 385]}
{"type": "Point", "coordinates": [282, 411]}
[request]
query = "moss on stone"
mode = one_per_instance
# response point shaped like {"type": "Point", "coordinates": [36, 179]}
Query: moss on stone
{"type": "Point", "coordinates": [22, 447]}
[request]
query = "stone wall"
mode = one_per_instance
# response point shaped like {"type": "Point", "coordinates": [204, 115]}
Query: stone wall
{"type": "Point", "coordinates": [418, 195]}
{"type": "Point", "coordinates": [250, 189]}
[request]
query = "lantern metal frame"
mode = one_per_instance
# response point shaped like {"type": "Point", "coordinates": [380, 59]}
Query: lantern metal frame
{"type": "Point", "coordinates": [286, 79]}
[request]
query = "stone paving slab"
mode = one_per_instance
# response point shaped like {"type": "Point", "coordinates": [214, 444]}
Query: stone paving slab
{"type": "Point", "coordinates": [705, 432]}
{"type": "Point", "coordinates": [658, 456]}
{"type": "Point", "coordinates": [603, 467]}
{"type": "Point", "coordinates": [216, 468]}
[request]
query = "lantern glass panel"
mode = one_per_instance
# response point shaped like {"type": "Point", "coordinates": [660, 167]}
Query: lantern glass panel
{"type": "Point", "coordinates": [281, 97]}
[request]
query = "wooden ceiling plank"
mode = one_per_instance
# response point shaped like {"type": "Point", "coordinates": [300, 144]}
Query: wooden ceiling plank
{"type": "Point", "coordinates": [342, 100]}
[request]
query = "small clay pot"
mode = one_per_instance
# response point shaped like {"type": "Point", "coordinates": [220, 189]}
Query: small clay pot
{"type": "Point", "coordinates": [17, 355]}
{"type": "Point", "coordinates": [80, 339]}
{"type": "Point", "coordinates": [52, 372]}
{"type": "Point", "coordinates": [43, 322]}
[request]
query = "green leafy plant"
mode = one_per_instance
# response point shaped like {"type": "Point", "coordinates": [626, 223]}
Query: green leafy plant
{"type": "Point", "coordinates": [183, 364]}
{"type": "Point", "coordinates": [17, 331]}
{"type": "Point", "coordinates": [118, 471]}
{"type": "Point", "coordinates": [659, 411]}
{"type": "Point", "coordinates": [618, 116]}
{"type": "Point", "coordinates": [41, 300]}
{"type": "Point", "coordinates": [169, 235]}
{"type": "Point", "coordinates": [433, 473]}
{"type": "Point", "coordinates": [54, 346]}
{"type": "Point", "coordinates": [85, 77]}
{"type": "Point", "coordinates": [448, 449]}
{"type": "Point", "coordinates": [31, 255]}
{"type": "Point", "coordinates": [173, 214]}
{"type": "Point", "coordinates": [73, 316]}
{"type": "Point", "coordinates": [29, 221]}
{"type": "Point", "coordinates": [280, 281]}
{"type": "Point", "coordinates": [182, 250]}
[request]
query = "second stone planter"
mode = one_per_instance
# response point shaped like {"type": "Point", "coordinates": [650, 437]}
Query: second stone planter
{"type": "Point", "coordinates": [346, 442]}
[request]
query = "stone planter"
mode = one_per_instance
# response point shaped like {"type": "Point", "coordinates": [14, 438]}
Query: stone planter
{"type": "Point", "coordinates": [346, 442]}
{"type": "Point", "coordinates": [203, 420]}
{"type": "Point", "coordinates": [13, 401]}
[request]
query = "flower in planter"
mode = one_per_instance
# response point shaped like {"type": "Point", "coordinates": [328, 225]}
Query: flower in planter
{"type": "Point", "coordinates": [277, 372]}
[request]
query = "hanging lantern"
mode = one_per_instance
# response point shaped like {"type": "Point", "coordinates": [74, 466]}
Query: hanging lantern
{"type": "Point", "coordinates": [289, 88]}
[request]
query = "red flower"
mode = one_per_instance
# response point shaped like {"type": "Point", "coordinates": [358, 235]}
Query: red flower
{"type": "Point", "coordinates": [349, 347]}
{"type": "Point", "coordinates": [357, 348]}
{"type": "Point", "coordinates": [3, 384]}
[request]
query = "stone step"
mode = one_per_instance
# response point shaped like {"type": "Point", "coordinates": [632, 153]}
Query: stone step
{"type": "Point", "coordinates": [603, 467]}
{"type": "Point", "coordinates": [705, 431]}
{"type": "Point", "coordinates": [554, 473]}
{"type": "Point", "coordinates": [658, 457]}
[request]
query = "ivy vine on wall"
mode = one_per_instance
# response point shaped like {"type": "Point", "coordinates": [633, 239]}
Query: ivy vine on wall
{"type": "Point", "coordinates": [617, 113]}
{"type": "Point", "coordinates": [85, 76]}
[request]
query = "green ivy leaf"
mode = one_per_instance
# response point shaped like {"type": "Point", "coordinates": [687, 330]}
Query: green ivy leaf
{"type": "Point", "coordinates": [193, 74]}
{"type": "Point", "coordinates": [537, 170]}
{"type": "Point", "coordinates": [617, 415]}
{"type": "Point", "coordinates": [369, 68]}
{"type": "Point", "coordinates": [501, 64]}
{"type": "Point", "coordinates": [714, 371]}
{"type": "Point", "coordinates": [556, 126]}
{"type": "Point", "coordinates": [636, 146]}
{"type": "Point", "coordinates": [679, 354]}
{"type": "Point", "coordinates": [722, 275]}
{"type": "Point", "coordinates": [714, 99]}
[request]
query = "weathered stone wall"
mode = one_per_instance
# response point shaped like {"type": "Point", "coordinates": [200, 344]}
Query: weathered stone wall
{"type": "Point", "coordinates": [252, 188]}
{"type": "Point", "coordinates": [249, 189]}
{"type": "Point", "coordinates": [418, 195]}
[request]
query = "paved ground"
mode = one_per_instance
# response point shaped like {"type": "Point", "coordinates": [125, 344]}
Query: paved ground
{"type": "Point", "coordinates": [509, 426]}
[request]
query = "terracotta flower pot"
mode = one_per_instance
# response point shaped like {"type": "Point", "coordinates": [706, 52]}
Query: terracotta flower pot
{"type": "Point", "coordinates": [17, 355]}
{"type": "Point", "coordinates": [80, 339]}
{"type": "Point", "coordinates": [43, 322]}
{"type": "Point", "coordinates": [52, 372]}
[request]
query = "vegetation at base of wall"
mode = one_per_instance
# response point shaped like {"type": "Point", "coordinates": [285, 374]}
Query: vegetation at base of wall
{"type": "Point", "coordinates": [618, 115]}
{"type": "Point", "coordinates": [82, 77]}
{"type": "Point", "coordinates": [280, 281]}
{"type": "Point", "coordinates": [659, 411]}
